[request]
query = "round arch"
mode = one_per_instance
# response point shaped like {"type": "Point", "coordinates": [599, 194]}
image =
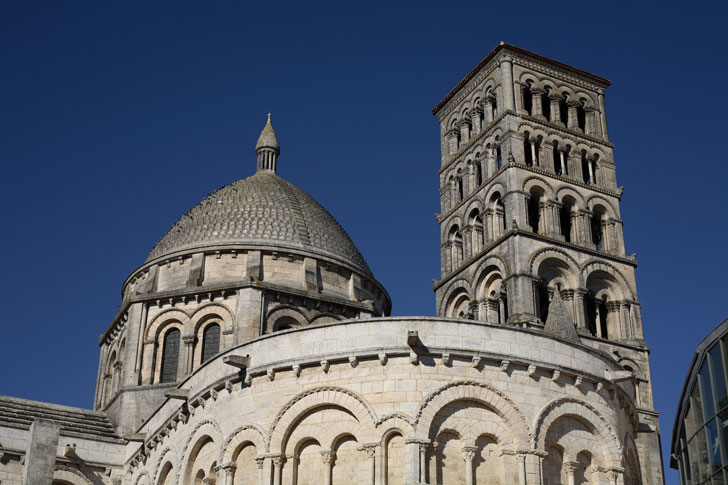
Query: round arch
{"type": "Point", "coordinates": [513, 419]}
{"type": "Point", "coordinates": [249, 433]}
{"type": "Point", "coordinates": [68, 475]}
{"type": "Point", "coordinates": [308, 400]}
{"type": "Point", "coordinates": [575, 408]}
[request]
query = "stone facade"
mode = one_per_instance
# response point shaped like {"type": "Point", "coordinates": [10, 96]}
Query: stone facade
{"type": "Point", "coordinates": [254, 344]}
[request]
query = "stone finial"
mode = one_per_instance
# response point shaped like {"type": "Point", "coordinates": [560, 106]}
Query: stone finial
{"type": "Point", "coordinates": [559, 322]}
{"type": "Point", "coordinates": [267, 148]}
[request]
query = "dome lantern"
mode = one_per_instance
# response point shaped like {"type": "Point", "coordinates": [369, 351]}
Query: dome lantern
{"type": "Point", "coordinates": [267, 148]}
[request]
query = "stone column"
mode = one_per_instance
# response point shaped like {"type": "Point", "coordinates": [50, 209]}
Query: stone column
{"type": "Point", "coordinates": [521, 459]}
{"type": "Point", "coordinates": [605, 133]}
{"type": "Point", "coordinates": [423, 461]}
{"type": "Point", "coordinates": [467, 242]}
{"type": "Point", "coordinates": [614, 326]}
{"type": "Point", "coordinates": [573, 122]}
{"type": "Point", "coordinates": [580, 309]}
{"type": "Point", "coordinates": [452, 141]}
{"type": "Point", "coordinates": [534, 151]}
{"type": "Point", "coordinates": [464, 127]}
{"type": "Point", "coordinates": [570, 468]}
{"type": "Point", "coordinates": [537, 110]}
{"type": "Point", "coordinates": [328, 457]}
{"type": "Point", "coordinates": [468, 455]}
{"type": "Point", "coordinates": [457, 254]}
{"type": "Point", "coordinates": [590, 120]}
{"type": "Point", "coordinates": [491, 162]}
{"type": "Point", "coordinates": [260, 462]}
{"type": "Point", "coordinates": [562, 158]}
{"type": "Point", "coordinates": [226, 473]}
{"type": "Point", "coordinates": [614, 476]}
{"type": "Point", "coordinates": [277, 469]}
{"type": "Point", "coordinates": [488, 225]}
{"type": "Point", "coordinates": [478, 239]}
{"type": "Point", "coordinates": [502, 308]}
{"type": "Point", "coordinates": [626, 320]}
{"type": "Point", "coordinates": [116, 379]}
{"type": "Point", "coordinates": [598, 317]}
{"type": "Point", "coordinates": [546, 160]}
{"type": "Point", "coordinates": [371, 451]}
{"type": "Point", "coordinates": [555, 101]}
{"type": "Point", "coordinates": [542, 224]}
{"type": "Point", "coordinates": [498, 222]}
{"type": "Point", "coordinates": [488, 110]}
{"type": "Point", "coordinates": [506, 68]}
{"type": "Point", "coordinates": [575, 166]}
{"type": "Point", "coordinates": [590, 164]}
{"type": "Point", "coordinates": [447, 248]}
{"type": "Point", "coordinates": [189, 343]}
{"type": "Point", "coordinates": [475, 119]}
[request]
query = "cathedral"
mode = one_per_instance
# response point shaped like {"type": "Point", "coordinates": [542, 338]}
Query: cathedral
{"type": "Point", "coordinates": [255, 345]}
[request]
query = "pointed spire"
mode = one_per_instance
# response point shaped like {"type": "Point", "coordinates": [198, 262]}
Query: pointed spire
{"type": "Point", "coordinates": [559, 322]}
{"type": "Point", "coordinates": [267, 148]}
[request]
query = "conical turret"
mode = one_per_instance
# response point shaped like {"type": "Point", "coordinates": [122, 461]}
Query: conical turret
{"type": "Point", "coordinates": [267, 148]}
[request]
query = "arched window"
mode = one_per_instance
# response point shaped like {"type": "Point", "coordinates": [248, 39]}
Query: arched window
{"type": "Point", "coordinates": [563, 111]}
{"type": "Point", "coordinates": [596, 315]}
{"type": "Point", "coordinates": [557, 159]}
{"type": "Point", "coordinates": [534, 210]}
{"type": "Point", "coordinates": [479, 173]}
{"type": "Point", "coordinates": [546, 105]}
{"type": "Point", "coordinates": [461, 192]}
{"type": "Point", "coordinates": [597, 222]}
{"type": "Point", "coordinates": [170, 356]}
{"type": "Point", "coordinates": [566, 212]}
{"type": "Point", "coordinates": [581, 117]}
{"type": "Point", "coordinates": [499, 159]}
{"type": "Point", "coordinates": [527, 152]}
{"type": "Point", "coordinates": [586, 168]}
{"type": "Point", "coordinates": [527, 100]}
{"type": "Point", "coordinates": [210, 342]}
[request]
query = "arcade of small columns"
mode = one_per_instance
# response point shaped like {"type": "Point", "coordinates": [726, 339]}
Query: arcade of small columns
{"type": "Point", "coordinates": [591, 228]}
{"type": "Point", "coordinates": [469, 441]}
{"type": "Point", "coordinates": [563, 110]}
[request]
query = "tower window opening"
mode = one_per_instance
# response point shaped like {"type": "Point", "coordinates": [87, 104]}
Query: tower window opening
{"type": "Point", "coordinates": [586, 169]}
{"type": "Point", "coordinates": [596, 229]}
{"type": "Point", "coordinates": [461, 193]}
{"type": "Point", "coordinates": [563, 111]}
{"type": "Point", "coordinates": [581, 117]}
{"type": "Point", "coordinates": [479, 173]}
{"type": "Point", "coordinates": [210, 342]}
{"type": "Point", "coordinates": [565, 220]}
{"type": "Point", "coordinates": [557, 160]}
{"type": "Point", "coordinates": [546, 105]}
{"type": "Point", "coordinates": [527, 100]}
{"type": "Point", "coordinates": [170, 356]}
{"type": "Point", "coordinates": [498, 156]}
{"type": "Point", "coordinates": [528, 152]}
{"type": "Point", "coordinates": [534, 212]}
{"type": "Point", "coordinates": [544, 300]}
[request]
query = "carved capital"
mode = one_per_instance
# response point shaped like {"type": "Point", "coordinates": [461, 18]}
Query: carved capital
{"type": "Point", "coordinates": [189, 339]}
{"type": "Point", "coordinates": [468, 452]}
{"type": "Point", "coordinates": [570, 468]}
{"type": "Point", "coordinates": [328, 457]}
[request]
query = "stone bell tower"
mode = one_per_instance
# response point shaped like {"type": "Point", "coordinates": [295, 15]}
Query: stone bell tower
{"type": "Point", "coordinates": [530, 207]}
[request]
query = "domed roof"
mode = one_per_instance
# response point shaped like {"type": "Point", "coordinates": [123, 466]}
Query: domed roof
{"type": "Point", "coordinates": [261, 210]}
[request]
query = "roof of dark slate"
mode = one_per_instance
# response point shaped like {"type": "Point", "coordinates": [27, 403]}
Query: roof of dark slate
{"type": "Point", "coordinates": [559, 322]}
{"type": "Point", "coordinates": [17, 412]}
{"type": "Point", "coordinates": [261, 210]}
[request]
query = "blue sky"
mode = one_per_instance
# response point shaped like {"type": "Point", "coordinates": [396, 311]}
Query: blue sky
{"type": "Point", "coordinates": [115, 118]}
